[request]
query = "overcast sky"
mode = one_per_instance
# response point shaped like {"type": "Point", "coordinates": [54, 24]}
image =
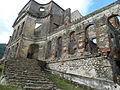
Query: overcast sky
{"type": "Point", "coordinates": [10, 8]}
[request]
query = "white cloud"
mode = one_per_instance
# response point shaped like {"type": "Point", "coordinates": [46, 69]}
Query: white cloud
{"type": "Point", "coordinates": [4, 37]}
{"type": "Point", "coordinates": [10, 8]}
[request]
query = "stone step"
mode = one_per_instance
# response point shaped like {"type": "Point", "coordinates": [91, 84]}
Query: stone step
{"type": "Point", "coordinates": [36, 79]}
{"type": "Point", "coordinates": [9, 73]}
{"type": "Point", "coordinates": [23, 70]}
{"type": "Point", "coordinates": [41, 85]}
{"type": "Point", "coordinates": [39, 82]}
{"type": "Point", "coordinates": [31, 87]}
{"type": "Point", "coordinates": [38, 88]}
{"type": "Point", "coordinates": [23, 67]}
{"type": "Point", "coordinates": [26, 65]}
{"type": "Point", "coordinates": [34, 76]}
{"type": "Point", "coordinates": [28, 74]}
{"type": "Point", "coordinates": [31, 81]}
{"type": "Point", "coordinates": [27, 78]}
{"type": "Point", "coordinates": [17, 83]}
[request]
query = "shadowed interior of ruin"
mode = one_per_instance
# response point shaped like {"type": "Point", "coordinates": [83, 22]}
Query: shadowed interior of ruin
{"type": "Point", "coordinates": [33, 50]}
{"type": "Point", "coordinates": [114, 32]}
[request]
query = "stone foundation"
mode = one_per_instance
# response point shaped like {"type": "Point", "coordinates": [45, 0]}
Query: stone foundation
{"type": "Point", "coordinates": [95, 72]}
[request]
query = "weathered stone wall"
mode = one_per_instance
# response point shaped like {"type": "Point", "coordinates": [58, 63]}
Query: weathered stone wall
{"type": "Point", "coordinates": [24, 48]}
{"type": "Point", "coordinates": [26, 43]}
{"type": "Point", "coordinates": [95, 72]}
{"type": "Point", "coordinates": [12, 51]}
{"type": "Point", "coordinates": [98, 19]}
{"type": "Point", "coordinates": [88, 82]}
{"type": "Point", "coordinates": [41, 53]}
{"type": "Point", "coordinates": [92, 67]}
{"type": "Point", "coordinates": [42, 30]}
{"type": "Point", "coordinates": [29, 27]}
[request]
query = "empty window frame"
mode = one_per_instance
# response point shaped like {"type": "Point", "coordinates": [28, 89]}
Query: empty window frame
{"type": "Point", "coordinates": [37, 25]}
{"type": "Point", "coordinates": [42, 9]}
{"type": "Point", "coordinates": [71, 43]}
{"type": "Point", "coordinates": [114, 21]}
{"type": "Point", "coordinates": [59, 47]}
{"type": "Point", "coordinates": [16, 34]}
{"type": "Point", "coordinates": [48, 50]}
{"type": "Point", "coordinates": [91, 40]}
{"type": "Point", "coordinates": [22, 27]}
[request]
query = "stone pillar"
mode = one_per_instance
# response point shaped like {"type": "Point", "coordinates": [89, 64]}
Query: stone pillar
{"type": "Point", "coordinates": [65, 47]}
{"type": "Point", "coordinates": [53, 47]}
{"type": "Point", "coordinates": [67, 16]}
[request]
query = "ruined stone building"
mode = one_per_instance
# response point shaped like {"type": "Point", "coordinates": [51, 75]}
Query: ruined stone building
{"type": "Point", "coordinates": [82, 49]}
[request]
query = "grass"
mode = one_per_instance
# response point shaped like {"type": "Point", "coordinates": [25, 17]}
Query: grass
{"type": "Point", "coordinates": [1, 68]}
{"type": "Point", "coordinates": [3, 87]}
{"type": "Point", "coordinates": [62, 84]}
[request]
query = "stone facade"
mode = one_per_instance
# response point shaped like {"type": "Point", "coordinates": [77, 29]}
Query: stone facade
{"type": "Point", "coordinates": [82, 49]}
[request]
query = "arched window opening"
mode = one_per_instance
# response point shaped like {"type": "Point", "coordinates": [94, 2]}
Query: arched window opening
{"type": "Point", "coordinates": [22, 28]}
{"type": "Point", "coordinates": [91, 31]}
{"type": "Point", "coordinates": [114, 30]}
{"type": "Point", "coordinates": [59, 47]}
{"type": "Point", "coordinates": [16, 50]}
{"type": "Point", "coordinates": [91, 41]}
{"type": "Point", "coordinates": [38, 28]}
{"type": "Point", "coordinates": [72, 43]}
{"type": "Point", "coordinates": [16, 34]}
{"type": "Point", "coordinates": [114, 21]}
{"type": "Point", "coordinates": [48, 50]}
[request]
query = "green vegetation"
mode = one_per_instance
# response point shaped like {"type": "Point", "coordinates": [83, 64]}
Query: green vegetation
{"type": "Point", "coordinates": [3, 87]}
{"type": "Point", "coordinates": [62, 84]}
{"type": "Point", "coordinates": [1, 68]}
{"type": "Point", "coordinates": [2, 49]}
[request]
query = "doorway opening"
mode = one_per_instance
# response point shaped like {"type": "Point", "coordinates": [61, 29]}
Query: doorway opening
{"type": "Point", "coordinates": [33, 51]}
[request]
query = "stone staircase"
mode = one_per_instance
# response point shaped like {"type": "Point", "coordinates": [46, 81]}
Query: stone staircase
{"type": "Point", "coordinates": [26, 74]}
